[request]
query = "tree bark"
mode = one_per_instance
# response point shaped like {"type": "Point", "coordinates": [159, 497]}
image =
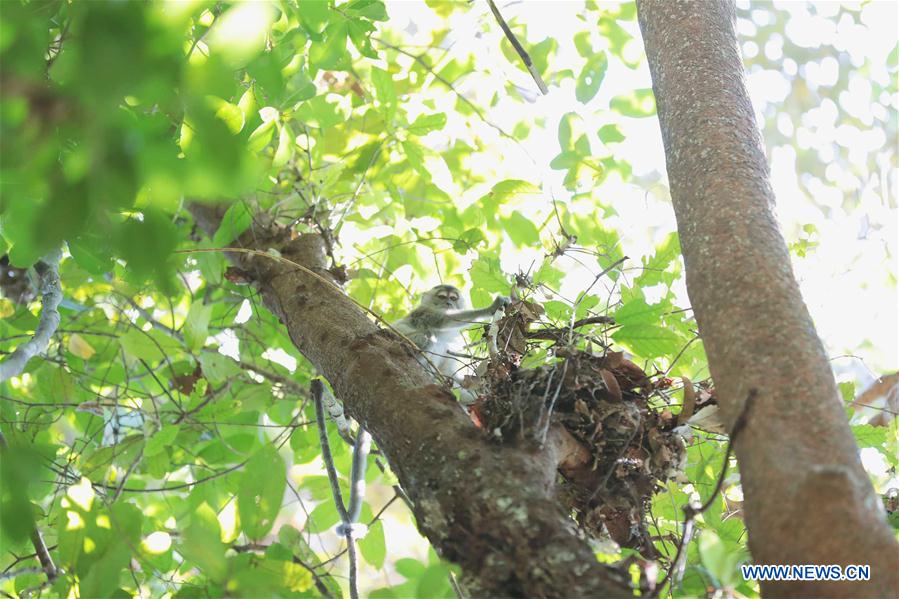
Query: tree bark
{"type": "Point", "coordinates": [486, 506]}
{"type": "Point", "coordinates": [807, 498]}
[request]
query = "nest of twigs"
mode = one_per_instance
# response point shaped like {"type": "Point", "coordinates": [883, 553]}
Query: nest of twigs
{"type": "Point", "coordinates": [625, 448]}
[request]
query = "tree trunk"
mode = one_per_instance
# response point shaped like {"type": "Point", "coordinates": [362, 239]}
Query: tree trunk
{"type": "Point", "coordinates": [807, 498]}
{"type": "Point", "coordinates": [488, 507]}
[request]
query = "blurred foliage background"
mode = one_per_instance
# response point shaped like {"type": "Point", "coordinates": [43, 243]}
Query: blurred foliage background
{"type": "Point", "coordinates": [170, 402]}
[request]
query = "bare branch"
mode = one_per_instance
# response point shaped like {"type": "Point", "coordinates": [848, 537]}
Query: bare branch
{"type": "Point", "coordinates": [525, 57]}
{"type": "Point", "coordinates": [317, 391]}
{"type": "Point", "coordinates": [50, 289]}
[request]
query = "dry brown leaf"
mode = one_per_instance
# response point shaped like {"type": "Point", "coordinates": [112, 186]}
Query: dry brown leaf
{"type": "Point", "coordinates": [689, 401]}
{"type": "Point", "coordinates": [611, 384]}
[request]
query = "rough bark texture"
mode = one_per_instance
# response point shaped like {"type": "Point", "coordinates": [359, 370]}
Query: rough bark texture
{"type": "Point", "coordinates": [485, 506]}
{"type": "Point", "coordinates": [807, 497]}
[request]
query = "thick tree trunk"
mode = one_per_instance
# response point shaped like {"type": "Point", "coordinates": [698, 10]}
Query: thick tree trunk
{"type": "Point", "coordinates": [485, 506]}
{"type": "Point", "coordinates": [807, 497]}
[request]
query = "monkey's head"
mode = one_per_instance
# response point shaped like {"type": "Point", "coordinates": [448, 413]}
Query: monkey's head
{"type": "Point", "coordinates": [443, 297]}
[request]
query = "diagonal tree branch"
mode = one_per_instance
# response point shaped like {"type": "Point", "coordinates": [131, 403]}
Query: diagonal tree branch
{"type": "Point", "coordinates": [488, 507]}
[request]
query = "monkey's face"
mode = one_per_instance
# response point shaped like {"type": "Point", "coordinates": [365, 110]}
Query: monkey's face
{"type": "Point", "coordinates": [444, 297]}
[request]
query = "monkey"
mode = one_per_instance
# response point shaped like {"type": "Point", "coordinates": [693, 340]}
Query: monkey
{"type": "Point", "coordinates": [435, 326]}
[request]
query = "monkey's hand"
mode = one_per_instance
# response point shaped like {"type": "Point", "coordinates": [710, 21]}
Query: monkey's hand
{"type": "Point", "coordinates": [500, 302]}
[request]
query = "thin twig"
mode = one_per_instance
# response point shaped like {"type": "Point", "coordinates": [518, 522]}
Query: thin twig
{"type": "Point", "coordinates": [396, 488]}
{"type": "Point", "coordinates": [552, 404]}
{"type": "Point", "coordinates": [552, 333]}
{"type": "Point", "coordinates": [525, 58]}
{"type": "Point", "coordinates": [177, 487]}
{"type": "Point", "coordinates": [317, 391]}
{"type": "Point", "coordinates": [22, 572]}
{"type": "Point", "coordinates": [457, 589]}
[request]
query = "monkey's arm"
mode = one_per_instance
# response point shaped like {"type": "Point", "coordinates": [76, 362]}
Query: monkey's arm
{"type": "Point", "coordinates": [473, 316]}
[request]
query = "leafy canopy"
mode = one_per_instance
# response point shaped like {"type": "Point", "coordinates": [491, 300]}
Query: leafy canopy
{"type": "Point", "coordinates": [166, 442]}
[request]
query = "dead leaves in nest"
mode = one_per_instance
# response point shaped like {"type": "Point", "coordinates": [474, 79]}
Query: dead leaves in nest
{"type": "Point", "coordinates": [513, 329]}
{"type": "Point", "coordinates": [627, 448]}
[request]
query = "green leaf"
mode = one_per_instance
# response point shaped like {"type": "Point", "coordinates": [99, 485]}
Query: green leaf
{"type": "Point", "coordinates": [161, 439]}
{"type": "Point", "coordinates": [609, 134]}
{"type": "Point", "coordinates": [216, 367]}
{"type": "Point", "coordinates": [323, 517]}
{"type": "Point", "coordinates": [212, 264]}
{"type": "Point", "coordinates": [568, 124]}
{"type": "Point", "coordinates": [506, 190]}
{"type": "Point", "coordinates": [314, 14]}
{"type": "Point", "coordinates": [332, 54]}
{"type": "Point", "coordinates": [565, 161]}
{"type": "Point", "coordinates": [637, 311]}
{"type": "Point", "coordinates": [434, 582]}
{"type": "Point", "coordinates": [56, 385]}
{"type": "Point", "coordinates": [469, 239]}
{"type": "Point", "coordinates": [150, 346]}
{"type": "Point", "coordinates": [201, 543]}
{"type": "Point", "coordinates": [247, 104]}
{"type": "Point", "coordinates": [415, 156]}
{"type": "Point", "coordinates": [427, 123]}
{"type": "Point", "coordinates": [304, 442]}
{"type": "Point", "coordinates": [95, 465]}
{"type": "Point", "coordinates": [146, 245]}
{"type": "Point", "coordinates": [522, 230]}
{"type": "Point", "coordinates": [196, 326]}
{"type": "Point", "coordinates": [847, 390]}
{"type": "Point", "coordinates": [113, 555]}
{"type": "Point", "coordinates": [92, 253]}
{"type": "Point", "coordinates": [268, 576]}
{"type": "Point", "coordinates": [260, 136]}
{"type": "Point", "coordinates": [235, 221]}
{"type": "Point", "coordinates": [292, 577]}
{"type": "Point", "coordinates": [649, 341]}
{"type": "Point", "coordinates": [267, 74]}
{"type": "Point", "coordinates": [285, 147]}
{"type": "Point", "coordinates": [373, 545]}
{"type": "Point", "coordinates": [661, 266]}
{"type": "Point", "coordinates": [371, 9]}
{"type": "Point", "coordinates": [870, 436]}
{"type": "Point", "coordinates": [591, 77]}
{"type": "Point", "coordinates": [230, 114]}
{"type": "Point", "coordinates": [261, 489]}
{"type": "Point", "coordinates": [487, 275]}
{"type": "Point", "coordinates": [385, 92]}
{"type": "Point", "coordinates": [582, 44]}
{"type": "Point", "coordinates": [718, 560]}
{"type": "Point", "coordinates": [411, 569]}
{"type": "Point", "coordinates": [360, 34]}
{"type": "Point", "coordinates": [640, 103]}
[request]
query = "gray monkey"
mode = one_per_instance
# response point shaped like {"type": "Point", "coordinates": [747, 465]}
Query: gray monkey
{"type": "Point", "coordinates": [435, 326]}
